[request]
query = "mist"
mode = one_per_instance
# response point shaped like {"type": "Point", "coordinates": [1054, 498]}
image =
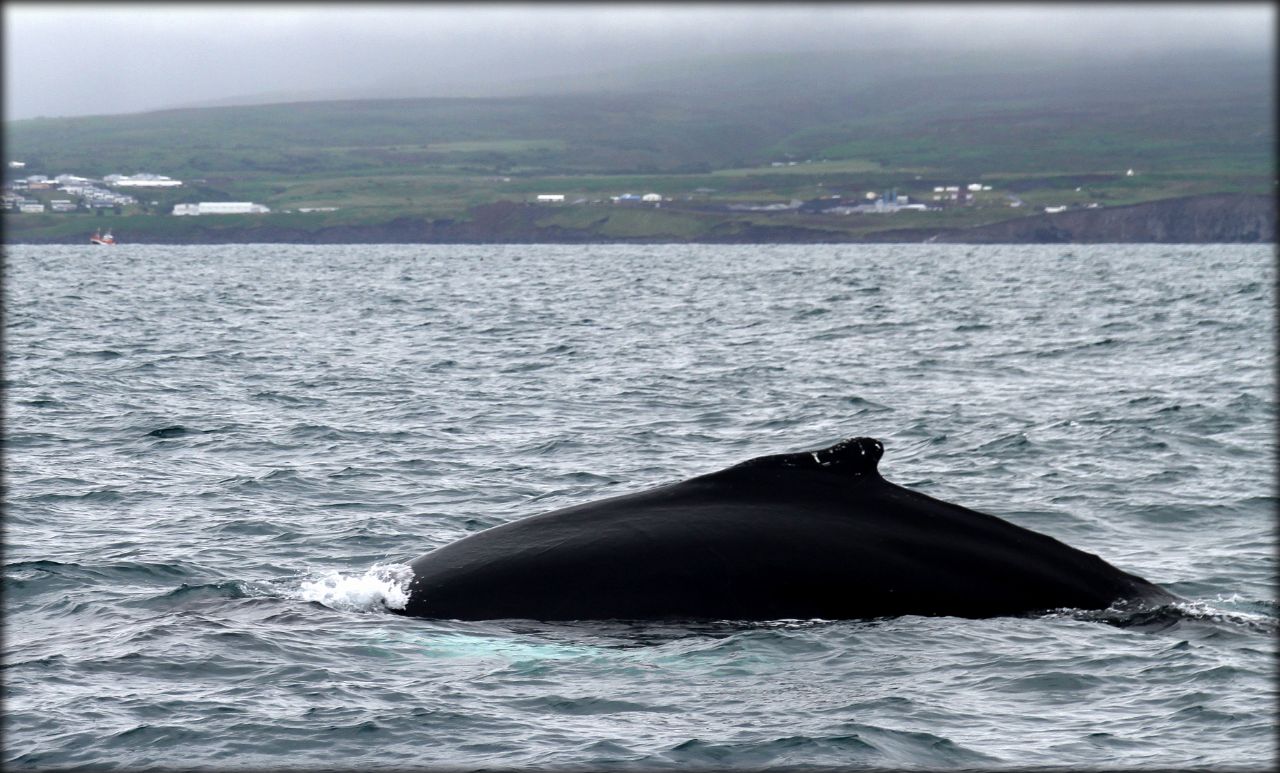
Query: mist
{"type": "Point", "coordinates": [67, 60]}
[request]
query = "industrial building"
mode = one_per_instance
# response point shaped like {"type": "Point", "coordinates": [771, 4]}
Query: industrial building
{"type": "Point", "coordinates": [220, 208]}
{"type": "Point", "coordinates": [141, 180]}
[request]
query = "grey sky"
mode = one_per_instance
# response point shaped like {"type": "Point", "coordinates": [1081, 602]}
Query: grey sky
{"type": "Point", "coordinates": [77, 59]}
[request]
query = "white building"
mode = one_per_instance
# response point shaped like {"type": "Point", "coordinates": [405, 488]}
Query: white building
{"type": "Point", "coordinates": [651, 197]}
{"type": "Point", "coordinates": [31, 208]}
{"type": "Point", "coordinates": [550, 198]}
{"type": "Point", "coordinates": [17, 164]}
{"type": "Point", "coordinates": [142, 180]}
{"type": "Point", "coordinates": [220, 208]}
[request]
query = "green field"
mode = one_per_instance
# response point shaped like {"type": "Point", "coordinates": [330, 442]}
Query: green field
{"type": "Point", "coordinates": [760, 131]}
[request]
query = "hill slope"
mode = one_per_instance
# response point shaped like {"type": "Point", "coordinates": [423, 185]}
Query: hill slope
{"type": "Point", "coordinates": [963, 114]}
{"type": "Point", "coordinates": [706, 134]}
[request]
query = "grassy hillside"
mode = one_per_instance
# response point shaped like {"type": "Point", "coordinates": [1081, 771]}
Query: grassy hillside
{"type": "Point", "coordinates": [930, 111]}
{"type": "Point", "coordinates": [1036, 130]}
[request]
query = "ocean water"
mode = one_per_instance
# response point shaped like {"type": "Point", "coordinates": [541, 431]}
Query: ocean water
{"type": "Point", "coordinates": [218, 458]}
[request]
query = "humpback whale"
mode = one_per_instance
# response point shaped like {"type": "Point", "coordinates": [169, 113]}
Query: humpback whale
{"type": "Point", "coordinates": [817, 534]}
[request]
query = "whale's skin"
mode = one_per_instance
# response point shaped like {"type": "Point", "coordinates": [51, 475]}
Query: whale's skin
{"type": "Point", "coordinates": [794, 536]}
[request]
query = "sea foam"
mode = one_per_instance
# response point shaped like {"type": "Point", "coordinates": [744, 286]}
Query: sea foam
{"type": "Point", "coordinates": [381, 586]}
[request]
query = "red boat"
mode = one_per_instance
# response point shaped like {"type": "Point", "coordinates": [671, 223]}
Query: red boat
{"type": "Point", "coordinates": [101, 238]}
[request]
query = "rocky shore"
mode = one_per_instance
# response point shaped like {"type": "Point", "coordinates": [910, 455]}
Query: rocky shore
{"type": "Point", "coordinates": [1220, 218]}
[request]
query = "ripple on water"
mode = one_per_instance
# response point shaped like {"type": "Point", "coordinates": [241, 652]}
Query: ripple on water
{"type": "Point", "coordinates": [212, 478]}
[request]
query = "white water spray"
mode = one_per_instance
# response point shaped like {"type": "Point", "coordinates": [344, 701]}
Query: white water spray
{"type": "Point", "coordinates": [381, 586]}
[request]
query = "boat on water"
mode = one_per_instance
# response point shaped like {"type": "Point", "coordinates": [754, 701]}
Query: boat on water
{"type": "Point", "coordinates": [101, 238]}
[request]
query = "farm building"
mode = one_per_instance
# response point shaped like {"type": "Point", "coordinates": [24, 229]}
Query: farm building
{"type": "Point", "coordinates": [220, 208]}
{"type": "Point", "coordinates": [141, 181]}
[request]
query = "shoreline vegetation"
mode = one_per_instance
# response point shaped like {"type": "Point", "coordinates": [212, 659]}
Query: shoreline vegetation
{"type": "Point", "coordinates": [810, 150]}
{"type": "Point", "coordinates": [1212, 218]}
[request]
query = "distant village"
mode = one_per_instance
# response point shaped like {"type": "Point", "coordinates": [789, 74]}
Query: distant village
{"type": "Point", "coordinates": [37, 193]}
{"type": "Point", "coordinates": [871, 202]}
{"type": "Point", "coordinates": [68, 193]}
{"type": "Point", "coordinates": [868, 202]}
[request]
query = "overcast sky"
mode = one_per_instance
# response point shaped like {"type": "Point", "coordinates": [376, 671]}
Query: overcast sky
{"type": "Point", "coordinates": [80, 59]}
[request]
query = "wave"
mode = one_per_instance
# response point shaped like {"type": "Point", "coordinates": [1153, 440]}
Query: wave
{"type": "Point", "coordinates": [40, 402]}
{"type": "Point", "coordinates": [848, 743]}
{"type": "Point", "coordinates": [102, 495]}
{"type": "Point", "coordinates": [1257, 616]}
{"type": "Point", "coordinates": [287, 399]}
{"type": "Point", "coordinates": [585, 705]}
{"type": "Point", "coordinates": [119, 573]}
{"type": "Point", "coordinates": [861, 405]}
{"type": "Point", "coordinates": [381, 587]}
{"type": "Point", "coordinates": [177, 430]}
{"type": "Point", "coordinates": [230, 589]}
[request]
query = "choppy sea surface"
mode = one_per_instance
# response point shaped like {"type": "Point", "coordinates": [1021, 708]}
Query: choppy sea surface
{"type": "Point", "coordinates": [215, 458]}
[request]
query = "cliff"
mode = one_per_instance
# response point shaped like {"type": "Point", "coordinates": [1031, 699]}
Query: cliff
{"type": "Point", "coordinates": [1217, 218]}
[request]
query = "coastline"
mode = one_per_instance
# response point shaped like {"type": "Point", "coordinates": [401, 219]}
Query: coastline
{"type": "Point", "coordinates": [1201, 219]}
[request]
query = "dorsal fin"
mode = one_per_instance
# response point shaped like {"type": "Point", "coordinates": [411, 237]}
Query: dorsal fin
{"type": "Point", "coordinates": [853, 457]}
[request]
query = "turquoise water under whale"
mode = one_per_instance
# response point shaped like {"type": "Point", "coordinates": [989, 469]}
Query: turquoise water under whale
{"type": "Point", "coordinates": [217, 458]}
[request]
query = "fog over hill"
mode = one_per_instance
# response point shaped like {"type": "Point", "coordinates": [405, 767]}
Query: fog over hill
{"type": "Point", "coordinates": [957, 110]}
{"type": "Point", "coordinates": [147, 57]}
{"type": "Point", "coordinates": [763, 122]}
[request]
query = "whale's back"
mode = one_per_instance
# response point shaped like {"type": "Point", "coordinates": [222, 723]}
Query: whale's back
{"type": "Point", "coordinates": [763, 541]}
